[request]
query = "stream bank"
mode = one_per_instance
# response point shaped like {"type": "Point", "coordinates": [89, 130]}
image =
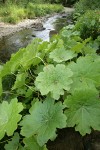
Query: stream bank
{"type": "Point", "coordinates": [20, 35]}
{"type": "Point", "coordinates": [9, 29]}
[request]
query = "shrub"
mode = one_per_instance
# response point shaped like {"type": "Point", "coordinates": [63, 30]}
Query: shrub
{"type": "Point", "coordinates": [13, 19]}
{"type": "Point", "coordinates": [83, 5]}
{"type": "Point", "coordinates": [89, 24]}
{"type": "Point", "coordinates": [42, 9]}
{"type": "Point", "coordinates": [21, 13]}
{"type": "Point", "coordinates": [12, 13]}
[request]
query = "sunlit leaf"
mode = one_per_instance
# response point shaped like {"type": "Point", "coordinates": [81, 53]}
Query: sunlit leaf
{"type": "Point", "coordinates": [9, 117]}
{"type": "Point", "coordinates": [60, 55]}
{"type": "Point", "coordinates": [54, 80]}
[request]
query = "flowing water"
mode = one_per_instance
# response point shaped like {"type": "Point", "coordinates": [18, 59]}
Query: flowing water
{"type": "Point", "coordinates": [12, 43]}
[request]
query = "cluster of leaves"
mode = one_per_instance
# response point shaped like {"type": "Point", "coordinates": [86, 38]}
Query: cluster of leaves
{"type": "Point", "coordinates": [12, 13]}
{"type": "Point", "coordinates": [89, 24]}
{"type": "Point", "coordinates": [87, 18]}
{"type": "Point", "coordinates": [54, 85]}
{"type": "Point", "coordinates": [37, 10]}
{"type": "Point", "coordinates": [84, 5]}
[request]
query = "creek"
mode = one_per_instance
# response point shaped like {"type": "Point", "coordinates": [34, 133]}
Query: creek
{"type": "Point", "coordinates": [11, 44]}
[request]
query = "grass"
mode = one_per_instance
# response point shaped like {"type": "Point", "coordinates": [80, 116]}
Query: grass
{"type": "Point", "coordinates": [13, 13]}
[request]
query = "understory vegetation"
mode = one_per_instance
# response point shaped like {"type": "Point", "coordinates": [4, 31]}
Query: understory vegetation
{"type": "Point", "coordinates": [52, 85]}
{"type": "Point", "coordinates": [14, 13]}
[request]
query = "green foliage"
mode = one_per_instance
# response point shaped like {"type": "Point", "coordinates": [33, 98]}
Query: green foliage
{"type": "Point", "coordinates": [57, 82]}
{"type": "Point", "coordinates": [60, 54]}
{"type": "Point", "coordinates": [83, 73]}
{"type": "Point", "coordinates": [13, 144]}
{"type": "Point", "coordinates": [54, 78]}
{"type": "Point", "coordinates": [83, 110]}
{"type": "Point", "coordinates": [9, 114]}
{"type": "Point", "coordinates": [43, 120]}
{"type": "Point", "coordinates": [20, 80]}
{"type": "Point", "coordinates": [89, 24]}
{"type": "Point", "coordinates": [31, 144]}
{"type": "Point", "coordinates": [11, 13]}
{"type": "Point", "coordinates": [42, 9]}
{"type": "Point", "coordinates": [83, 5]}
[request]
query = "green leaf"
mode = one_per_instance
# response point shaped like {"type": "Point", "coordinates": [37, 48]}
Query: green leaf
{"type": "Point", "coordinates": [80, 46]}
{"type": "Point", "coordinates": [14, 143]}
{"type": "Point", "coordinates": [86, 72]}
{"type": "Point", "coordinates": [54, 80]}
{"type": "Point", "coordinates": [93, 22]}
{"type": "Point", "coordinates": [83, 110]}
{"type": "Point", "coordinates": [43, 120]}
{"type": "Point", "coordinates": [9, 117]}
{"type": "Point", "coordinates": [29, 91]}
{"type": "Point", "coordinates": [33, 54]}
{"type": "Point", "coordinates": [25, 57]}
{"type": "Point", "coordinates": [31, 144]}
{"type": "Point", "coordinates": [21, 147]}
{"type": "Point", "coordinates": [59, 55]}
{"type": "Point", "coordinates": [66, 33]}
{"type": "Point", "coordinates": [20, 80]}
{"type": "Point", "coordinates": [13, 64]}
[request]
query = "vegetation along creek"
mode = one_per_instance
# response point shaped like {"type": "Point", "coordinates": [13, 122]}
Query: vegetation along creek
{"type": "Point", "coordinates": [49, 85]}
{"type": "Point", "coordinates": [11, 43]}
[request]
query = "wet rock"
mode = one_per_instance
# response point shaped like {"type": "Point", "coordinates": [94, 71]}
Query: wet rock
{"type": "Point", "coordinates": [38, 27]}
{"type": "Point", "coordinates": [64, 16]}
{"type": "Point", "coordinates": [33, 35]}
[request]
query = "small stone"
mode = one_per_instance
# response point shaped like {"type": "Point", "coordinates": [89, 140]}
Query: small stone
{"type": "Point", "coordinates": [33, 35]}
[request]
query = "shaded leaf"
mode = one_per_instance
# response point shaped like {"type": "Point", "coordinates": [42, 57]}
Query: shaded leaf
{"type": "Point", "coordinates": [43, 120]}
{"type": "Point", "coordinates": [31, 144]}
{"type": "Point", "coordinates": [83, 110]}
{"type": "Point", "coordinates": [20, 80]}
{"type": "Point", "coordinates": [14, 143]}
{"type": "Point", "coordinates": [86, 72]}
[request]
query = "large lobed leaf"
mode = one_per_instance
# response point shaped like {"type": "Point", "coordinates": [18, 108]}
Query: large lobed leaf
{"type": "Point", "coordinates": [54, 80]}
{"type": "Point", "coordinates": [83, 110]}
{"type": "Point", "coordinates": [43, 120]}
{"type": "Point", "coordinates": [9, 117]}
{"type": "Point", "coordinates": [86, 72]}
{"type": "Point", "coordinates": [60, 55]}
